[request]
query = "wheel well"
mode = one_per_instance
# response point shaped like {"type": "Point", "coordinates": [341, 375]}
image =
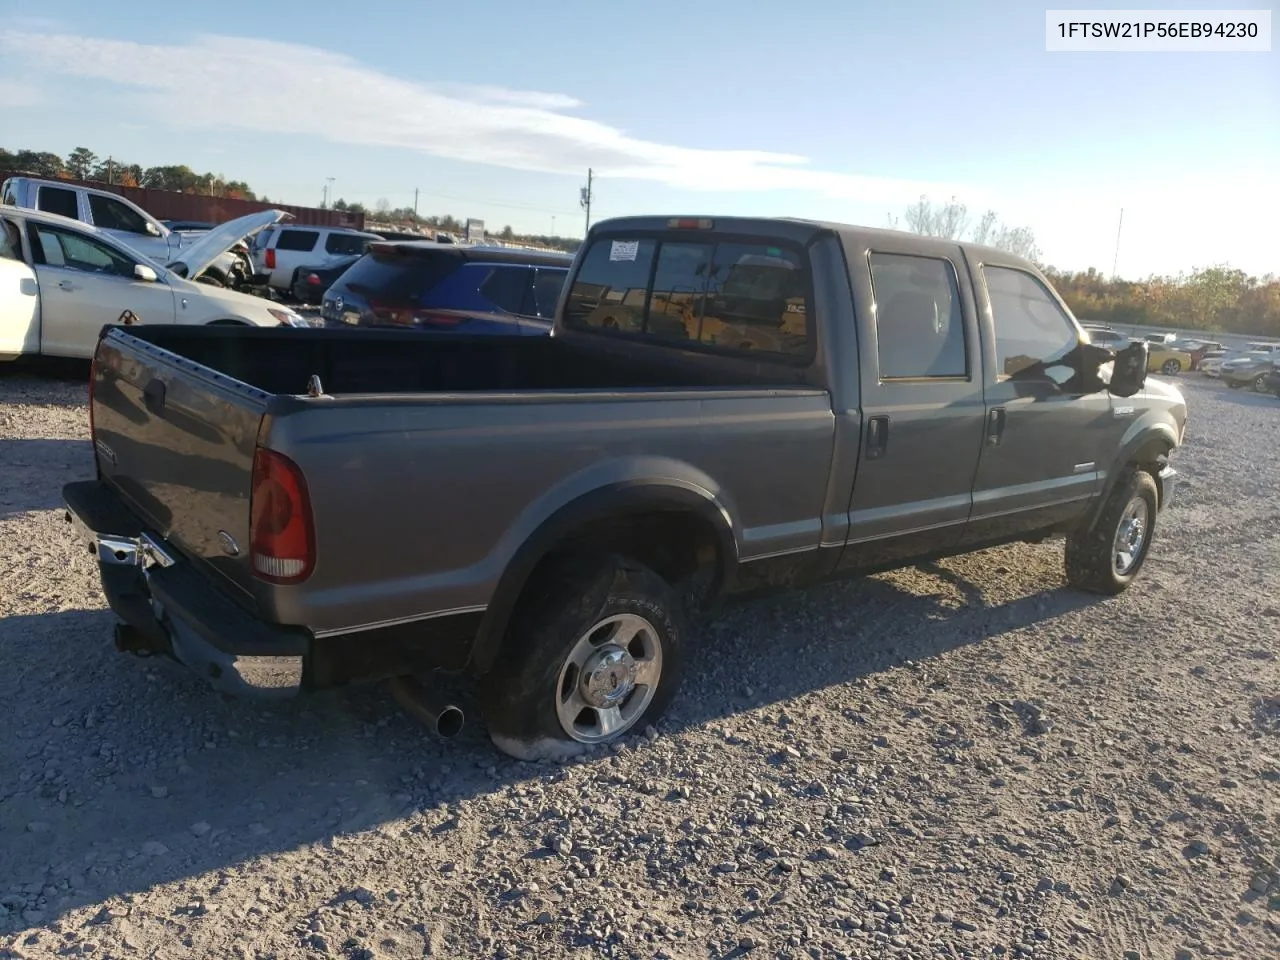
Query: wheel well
{"type": "Point", "coordinates": [679, 545]}
{"type": "Point", "coordinates": [1152, 457]}
{"type": "Point", "coordinates": [226, 323]}
{"type": "Point", "coordinates": [675, 544]}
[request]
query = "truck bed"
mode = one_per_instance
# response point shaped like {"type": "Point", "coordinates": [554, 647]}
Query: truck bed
{"type": "Point", "coordinates": [281, 361]}
{"type": "Point", "coordinates": [430, 459]}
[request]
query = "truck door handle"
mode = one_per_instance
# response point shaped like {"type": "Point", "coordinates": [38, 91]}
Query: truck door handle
{"type": "Point", "coordinates": [66, 285]}
{"type": "Point", "coordinates": [153, 396]}
{"type": "Point", "coordinates": [995, 426]}
{"type": "Point", "coordinates": [877, 437]}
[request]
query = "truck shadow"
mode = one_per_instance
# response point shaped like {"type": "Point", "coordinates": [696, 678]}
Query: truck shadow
{"type": "Point", "coordinates": [35, 470]}
{"type": "Point", "coordinates": [117, 774]}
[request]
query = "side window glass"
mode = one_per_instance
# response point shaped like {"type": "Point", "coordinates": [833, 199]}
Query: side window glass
{"type": "Point", "coordinates": [58, 200]}
{"type": "Point", "coordinates": [609, 289]}
{"type": "Point", "coordinates": [505, 287]}
{"type": "Point", "coordinates": [547, 284]}
{"type": "Point", "coordinates": [919, 324]}
{"type": "Point", "coordinates": [114, 215]}
{"type": "Point", "coordinates": [302, 241]}
{"type": "Point", "coordinates": [345, 244]}
{"type": "Point", "coordinates": [62, 248]}
{"type": "Point", "coordinates": [10, 241]}
{"type": "Point", "coordinates": [1034, 336]}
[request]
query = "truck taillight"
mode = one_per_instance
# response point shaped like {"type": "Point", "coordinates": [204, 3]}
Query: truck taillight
{"type": "Point", "coordinates": [282, 544]}
{"type": "Point", "coordinates": [270, 258]}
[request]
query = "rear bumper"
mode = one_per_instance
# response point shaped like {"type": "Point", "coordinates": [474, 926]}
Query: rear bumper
{"type": "Point", "coordinates": [176, 610]}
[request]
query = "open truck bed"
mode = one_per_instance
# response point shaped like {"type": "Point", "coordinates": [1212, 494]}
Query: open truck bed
{"type": "Point", "coordinates": [421, 463]}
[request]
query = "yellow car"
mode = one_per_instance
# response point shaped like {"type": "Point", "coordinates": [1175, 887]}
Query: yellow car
{"type": "Point", "coordinates": [1166, 360]}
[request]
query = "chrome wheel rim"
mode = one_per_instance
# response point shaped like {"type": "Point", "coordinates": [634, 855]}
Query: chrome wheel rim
{"type": "Point", "coordinates": [609, 678]}
{"type": "Point", "coordinates": [1260, 384]}
{"type": "Point", "coordinates": [1131, 536]}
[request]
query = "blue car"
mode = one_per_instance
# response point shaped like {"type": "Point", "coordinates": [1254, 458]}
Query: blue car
{"type": "Point", "coordinates": [452, 288]}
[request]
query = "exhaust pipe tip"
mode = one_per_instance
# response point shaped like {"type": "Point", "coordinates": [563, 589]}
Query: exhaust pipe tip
{"type": "Point", "coordinates": [446, 720]}
{"type": "Point", "coordinates": [449, 722]}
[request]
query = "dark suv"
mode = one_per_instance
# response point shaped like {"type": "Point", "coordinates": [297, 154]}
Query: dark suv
{"type": "Point", "coordinates": [437, 286]}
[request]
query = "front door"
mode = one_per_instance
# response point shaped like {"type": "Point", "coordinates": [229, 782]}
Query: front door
{"type": "Point", "coordinates": [1044, 453]}
{"type": "Point", "coordinates": [86, 284]}
{"type": "Point", "coordinates": [19, 296]}
{"type": "Point", "coordinates": [922, 405]}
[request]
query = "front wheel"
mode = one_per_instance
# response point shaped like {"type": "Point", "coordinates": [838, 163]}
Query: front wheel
{"type": "Point", "coordinates": [598, 658]}
{"type": "Point", "coordinates": [1260, 383]}
{"type": "Point", "coordinates": [1106, 558]}
{"type": "Point", "coordinates": [1171, 368]}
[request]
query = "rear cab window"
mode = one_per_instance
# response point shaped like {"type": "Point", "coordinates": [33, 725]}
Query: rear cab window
{"type": "Point", "coordinates": [718, 293]}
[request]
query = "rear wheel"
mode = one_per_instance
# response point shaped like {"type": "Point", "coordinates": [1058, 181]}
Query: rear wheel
{"type": "Point", "coordinates": [1171, 368]}
{"type": "Point", "coordinates": [1260, 383]}
{"type": "Point", "coordinates": [599, 657]}
{"type": "Point", "coordinates": [1106, 558]}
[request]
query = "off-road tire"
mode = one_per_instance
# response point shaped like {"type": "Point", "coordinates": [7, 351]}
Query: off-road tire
{"type": "Point", "coordinates": [519, 694]}
{"type": "Point", "coordinates": [1090, 561]}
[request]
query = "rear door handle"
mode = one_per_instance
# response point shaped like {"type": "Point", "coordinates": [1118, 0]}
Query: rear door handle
{"type": "Point", "coordinates": [877, 437]}
{"type": "Point", "coordinates": [995, 426]}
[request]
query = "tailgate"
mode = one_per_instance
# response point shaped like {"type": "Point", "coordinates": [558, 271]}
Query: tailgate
{"type": "Point", "coordinates": [176, 439]}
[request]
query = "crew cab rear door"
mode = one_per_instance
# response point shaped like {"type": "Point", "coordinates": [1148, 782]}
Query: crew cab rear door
{"type": "Point", "coordinates": [922, 401]}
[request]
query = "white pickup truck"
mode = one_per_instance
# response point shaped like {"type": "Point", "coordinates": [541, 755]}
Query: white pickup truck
{"type": "Point", "coordinates": [62, 281]}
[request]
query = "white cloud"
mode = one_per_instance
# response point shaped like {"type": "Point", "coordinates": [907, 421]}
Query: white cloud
{"type": "Point", "coordinates": [279, 88]}
{"type": "Point", "coordinates": [18, 93]}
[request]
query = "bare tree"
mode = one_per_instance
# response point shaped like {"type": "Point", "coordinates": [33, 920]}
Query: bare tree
{"type": "Point", "coordinates": [951, 221]}
{"type": "Point", "coordinates": [383, 205]}
{"type": "Point", "coordinates": [986, 228]}
{"type": "Point", "coordinates": [919, 216]}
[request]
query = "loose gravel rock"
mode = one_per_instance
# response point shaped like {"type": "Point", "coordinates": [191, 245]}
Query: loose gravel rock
{"type": "Point", "coordinates": [963, 759]}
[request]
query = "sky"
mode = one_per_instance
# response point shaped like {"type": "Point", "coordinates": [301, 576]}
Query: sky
{"type": "Point", "coordinates": [845, 111]}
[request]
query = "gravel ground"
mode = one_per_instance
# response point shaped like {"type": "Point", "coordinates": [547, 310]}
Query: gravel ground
{"type": "Point", "coordinates": [964, 759]}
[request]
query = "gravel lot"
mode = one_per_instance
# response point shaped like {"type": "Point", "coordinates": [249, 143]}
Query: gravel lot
{"type": "Point", "coordinates": [964, 759]}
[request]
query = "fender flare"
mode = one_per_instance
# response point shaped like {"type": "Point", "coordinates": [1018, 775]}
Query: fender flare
{"type": "Point", "coordinates": [613, 499]}
{"type": "Point", "coordinates": [1160, 435]}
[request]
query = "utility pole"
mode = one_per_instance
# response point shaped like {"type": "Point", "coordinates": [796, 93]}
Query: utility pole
{"type": "Point", "coordinates": [1115, 262]}
{"type": "Point", "coordinates": [584, 199]}
{"type": "Point", "coordinates": [415, 203]}
{"type": "Point", "coordinates": [327, 182]}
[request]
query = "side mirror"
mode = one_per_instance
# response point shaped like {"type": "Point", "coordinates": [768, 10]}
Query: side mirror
{"type": "Point", "coordinates": [144, 273]}
{"type": "Point", "coordinates": [1129, 373]}
{"type": "Point", "coordinates": [153, 229]}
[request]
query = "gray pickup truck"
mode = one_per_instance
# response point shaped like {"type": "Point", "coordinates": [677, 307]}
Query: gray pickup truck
{"type": "Point", "coordinates": [725, 406]}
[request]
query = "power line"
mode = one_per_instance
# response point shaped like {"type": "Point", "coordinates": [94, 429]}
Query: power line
{"type": "Point", "coordinates": [447, 196]}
